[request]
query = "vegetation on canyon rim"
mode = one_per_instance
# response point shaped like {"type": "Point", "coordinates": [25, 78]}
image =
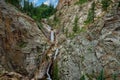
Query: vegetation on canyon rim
{"type": "Point", "coordinates": [35, 12]}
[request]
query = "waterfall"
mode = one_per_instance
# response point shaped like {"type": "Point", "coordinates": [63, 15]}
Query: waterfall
{"type": "Point", "coordinates": [49, 78]}
{"type": "Point", "coordinates": [44, 69]}
{"type": "Point", "coordinates": [52, 36]}
{"type": "Point", "coordinates": [56, 53]}
{"type": "Point", "coordinates": [49, 28]}
{"type": "Point", "coordinates": [52, 39]}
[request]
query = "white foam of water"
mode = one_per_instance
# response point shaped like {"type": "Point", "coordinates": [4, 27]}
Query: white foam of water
{"type": "Point", "coordinates": [52, 36]}
{"type": "Point", "coordinates": [49, 78]}
{"type": "Point", "coordinates": [56, 52]}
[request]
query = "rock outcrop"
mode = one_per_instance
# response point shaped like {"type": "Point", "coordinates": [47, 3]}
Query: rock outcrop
{"type": "Point", "coordinates": [63, 3]}
{"type": "Point", "coordinates": [21, 41]}
{"type": "Point", "coordinates": [95, 48]}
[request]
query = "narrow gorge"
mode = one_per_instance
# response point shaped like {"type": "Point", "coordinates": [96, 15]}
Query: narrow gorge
{"type": "Point", "coordinates": [78, 41]}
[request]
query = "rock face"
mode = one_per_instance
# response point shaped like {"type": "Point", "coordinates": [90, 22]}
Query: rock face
{"type": "Point", "coordinates": [68, 13]}
{"type": "Point", "coordinates": [63, 3]}
{"type": "Point", "coordinates": [20, 40]}
{"type": "Point", "coordinates": [95, 49]}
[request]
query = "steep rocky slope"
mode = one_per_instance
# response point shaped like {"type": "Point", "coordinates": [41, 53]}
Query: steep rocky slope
{"type": "Point", "coordinates": [96, 47]}
{"type": "Point", "coordinates": [21, 41]}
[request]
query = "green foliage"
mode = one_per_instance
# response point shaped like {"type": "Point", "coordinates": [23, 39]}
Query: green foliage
{"type": "Point", "coordinates": [55, 71]}
{"type": "Point", "coordinates": [75, 24]}
{"type": "Point", "coordinates": [56, 20]}
{"type": "Point", "coordinates": [22, 44]}
{"type": "Point", "coordinates": [37, 13]}
{"type": "Point", "coordinates": [91, 14]}
{"type": "Point", "coordinates": [119, 4]}
{"type": "Point", "coordinates": [71, 35]}
{"type": "Point", "coordinates": [101, 76]}
{"type": "Point", "coordinates": [14, 2]}
{"type": "Point", "coordinates": [40, 25]}
{"type": "Point", "coordinates": [105, 4]}
{"type": "Point", "coordinates": [82, 2]}
{"type": "Point", "coordinates": [45, 11]}
{"type": "Point", "coordinates": [114, 77]}
{"type": "Point", "coordinates": [82, 78]}
{"type": "Point", "coordinates": [82, 30]}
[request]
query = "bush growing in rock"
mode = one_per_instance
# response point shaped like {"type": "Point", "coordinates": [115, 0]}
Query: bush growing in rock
{"type": "Point", "coordinates": [105, 4]}
{"type": "Point", "coordinates": [91, 14]}
{"type": "Point", "coordinates": [75, 24]}
{"type": "Point", "coordinates": [14, 2]}
{"type": "Point", "coordinates": [55, 71]}
{"type": "Point", "coordinates": [101, 76]}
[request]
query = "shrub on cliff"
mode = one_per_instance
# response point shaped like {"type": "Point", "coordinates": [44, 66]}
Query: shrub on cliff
{"type": "Point", "coordinates": [55, 71]}
{"type": "Point", "coordinates": [75, 24]}
{"type": "Point", "coordinates": [14, 2]}
{"type": "Point", "coordinates": [105, 4]}
{"type": "Point", "coordinates": [91, 14]}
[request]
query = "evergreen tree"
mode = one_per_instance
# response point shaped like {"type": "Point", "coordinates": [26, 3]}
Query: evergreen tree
{"type": "Point", "coordinates": [37, 13]}
{"type": "Point", "coordinates": [14, 2]}
{"type": "Point", "coordinates": [91, 14]}
{"type": "Point", "coordinates": [75, 27]}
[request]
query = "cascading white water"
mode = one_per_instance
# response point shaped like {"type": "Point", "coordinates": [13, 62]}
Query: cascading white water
{"type": "Point", "coordinates": [56, 53]}
{"type": "Point", "coordinates": [48, 78]}
{"type": "Point", "coordinates": [52, 36]}
{"type": "Point", "coordinates": [46, 66]}
{"type": "Point", "coordinates": [49, 28]}
{"type": "Point", "coordinates": [52, 39]}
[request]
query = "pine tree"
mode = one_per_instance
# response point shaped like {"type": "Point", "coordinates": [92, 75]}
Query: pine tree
{"type": "Point", "coordinates": [91, 14]}
{"type": "Point", "coordinates": [14, 2]}
{"type": "Point", "coordinates": [75, 27]}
